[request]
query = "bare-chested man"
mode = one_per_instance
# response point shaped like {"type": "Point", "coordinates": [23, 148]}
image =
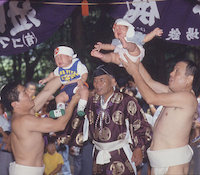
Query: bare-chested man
{"type": "Point", "coordinates": [169, 152]}
{"type": "Point", "coordinates": [26, 137]}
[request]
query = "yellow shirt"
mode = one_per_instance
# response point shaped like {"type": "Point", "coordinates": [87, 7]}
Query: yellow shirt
{"type": "Point", "coordinates": [51, 161]}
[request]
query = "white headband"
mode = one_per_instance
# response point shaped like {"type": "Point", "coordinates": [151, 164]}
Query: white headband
{"type": "Point", "coordinates": [65, 51]}
{"type": "Point", "coordinates": [131, 29]}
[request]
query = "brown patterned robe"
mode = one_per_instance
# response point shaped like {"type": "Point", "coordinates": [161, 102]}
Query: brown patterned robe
{"type": "Point", "coordinates": [120, 107]}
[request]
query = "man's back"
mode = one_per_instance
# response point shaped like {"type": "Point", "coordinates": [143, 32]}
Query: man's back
{"type": "Point", "coordinates": [27, 145]}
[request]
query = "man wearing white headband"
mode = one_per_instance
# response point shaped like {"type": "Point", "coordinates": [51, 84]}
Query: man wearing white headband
{"type": "Point", "coordinates": [127, 41]}
{"type": "Point", "coordinates": [72, 74]}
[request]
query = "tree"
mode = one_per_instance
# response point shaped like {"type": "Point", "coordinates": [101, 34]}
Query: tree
{"type": "Point", "coordinates": [81, 33]}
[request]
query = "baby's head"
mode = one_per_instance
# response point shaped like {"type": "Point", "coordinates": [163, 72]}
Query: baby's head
{"type": "Point", "coordinates": [122, 28]}
{"type": "Point", "coordinates": [63, 56]}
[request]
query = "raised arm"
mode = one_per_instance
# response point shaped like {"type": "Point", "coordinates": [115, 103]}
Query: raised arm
{"type": "Point", "coordinates": [164, 98]}
{"type": "Point", "coordinates": [155, 85]}
{"type": "Point", "coordinates": [47, 79]}
{"type": "Point", "coordinates": [156, 32]}
{"type": "Point", "coordinates": [47, 91]}
{"type": "Point", "coordinates": [101, 46]}
{"type": "Point", "coordinates": [84, 77]}
{"type": "Point", "coordinates": [46, 125]}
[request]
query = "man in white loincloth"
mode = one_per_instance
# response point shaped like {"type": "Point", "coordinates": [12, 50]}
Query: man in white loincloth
{"type": "Point", "coordinates": [27, 130]}
{"type": "Point", "coordinates": [169, 152]}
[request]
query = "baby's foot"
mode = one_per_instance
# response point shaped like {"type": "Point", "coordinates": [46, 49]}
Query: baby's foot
{"type": "Point", "coordinates": [56, 113]}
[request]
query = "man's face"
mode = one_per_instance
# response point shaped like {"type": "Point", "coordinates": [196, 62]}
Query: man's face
{"type": "Point", "coordinates": [103, 85]}
{"type": "Point", "coordinates": [120, 31]}
{"type": "Point", "coordinates": [31, 90]}
{"type": "Point", "coordinates": [178, 79]}
{"type": "Point", "coordinates": [63, 60]}
{"type": "Point", "coordinates": [24, 98]}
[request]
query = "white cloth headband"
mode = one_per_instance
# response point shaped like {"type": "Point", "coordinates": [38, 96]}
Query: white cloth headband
{"type": "Point", "coordinates": [65, 51]}
{"type": "Point", "coordinates": [131, 29]}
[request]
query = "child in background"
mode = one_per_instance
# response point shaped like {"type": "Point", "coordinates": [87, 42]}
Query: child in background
{"type": "Point", "coordinates": [53, 160]}
{"type": "Point", "coordinates": [127, 41]}
{"type": "Point", "coordinates": [73, 74]}
{"type": "Point", "coordinates": [63, 149]}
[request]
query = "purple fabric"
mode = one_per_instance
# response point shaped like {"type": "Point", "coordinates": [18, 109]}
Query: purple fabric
{"type": "Point", "coordinates": [23, 25]}
{"type": "Point", "coordinates": [120, 107]}
{"type": "Point", "coordinates": [2, 2]}
{"type": "Point", "coordinates": [179, 19]}
{"type": "Point", "coordinates": [198, 108]}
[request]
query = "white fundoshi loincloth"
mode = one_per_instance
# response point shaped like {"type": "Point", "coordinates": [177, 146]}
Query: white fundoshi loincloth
{"type": "Point", "coordinates": [16, 169]}
{"type": "Point", "coordinates": [121, 51]}
{"type": "Point", "coordinates": [161, 160]}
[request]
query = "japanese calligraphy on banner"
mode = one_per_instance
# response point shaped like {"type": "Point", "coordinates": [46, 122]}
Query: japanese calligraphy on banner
{"type": "Point", "coordinates": [23, 24]}
{"type": "Point", "coordinates": [179, 19]}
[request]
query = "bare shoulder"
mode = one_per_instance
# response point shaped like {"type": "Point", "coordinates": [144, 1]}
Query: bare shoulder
{"type": "Point", "coordinates": [24, 121]}
{"type": "Point", "coordinates": [181, 99]}
{"type": "Point", "coordinates": [30, 119]}
{"type": "Point", "coordinates": [187, 98]}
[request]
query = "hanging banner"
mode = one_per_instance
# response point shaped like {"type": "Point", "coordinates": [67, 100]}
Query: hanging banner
{"type": "Point", "coordinates": [24, 24]}
{"type": "Point", "coordinates": [3, 1]}
{"type": "Point", "coordinates": [179, 19]}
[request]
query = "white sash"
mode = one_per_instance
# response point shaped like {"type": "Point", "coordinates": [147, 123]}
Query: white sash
{"type": "Point", "coordinates": [104, 156]}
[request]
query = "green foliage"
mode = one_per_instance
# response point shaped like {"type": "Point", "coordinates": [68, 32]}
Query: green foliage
{"type": "Point", "coordinates": [81, 33]}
